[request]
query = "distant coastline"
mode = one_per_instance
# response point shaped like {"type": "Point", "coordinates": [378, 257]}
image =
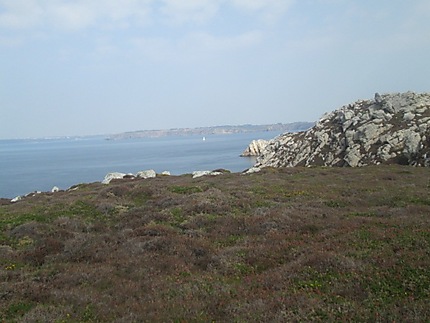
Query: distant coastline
{"type": "Point", "coordinates": [215, 130]}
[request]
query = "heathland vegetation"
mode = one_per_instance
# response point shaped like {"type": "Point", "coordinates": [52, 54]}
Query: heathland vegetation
{"type": "Point", "coordinates": [287, 244]}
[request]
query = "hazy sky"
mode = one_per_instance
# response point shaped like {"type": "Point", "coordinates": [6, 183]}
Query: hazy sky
{"type": "Point", "coordinates": [77, 67]}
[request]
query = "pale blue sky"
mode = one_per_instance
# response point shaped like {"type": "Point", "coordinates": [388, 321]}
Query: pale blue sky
{"type": "Point", "coordinates": [96, 67]}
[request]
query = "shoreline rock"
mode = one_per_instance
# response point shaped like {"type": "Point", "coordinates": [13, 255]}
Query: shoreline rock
{"type": "Point", "coordinates": [390, 129]}
{"type": "Point", "coordinates": [255, 148]}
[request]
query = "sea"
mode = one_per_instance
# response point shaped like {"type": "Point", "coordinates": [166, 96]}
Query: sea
{"type": "Point", "coordinates": [29, 165]}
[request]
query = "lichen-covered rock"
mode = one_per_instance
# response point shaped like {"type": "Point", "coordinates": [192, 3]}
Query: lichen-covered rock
{"type": "Point", "coordinates": [392, 128]}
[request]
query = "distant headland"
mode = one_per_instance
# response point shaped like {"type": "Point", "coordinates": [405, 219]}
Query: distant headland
{"type": "Point", "coordinates": [215, 130]}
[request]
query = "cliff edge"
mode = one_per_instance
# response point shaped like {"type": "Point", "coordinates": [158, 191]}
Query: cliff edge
{"type": "Point", "coordinates": [389, 129]}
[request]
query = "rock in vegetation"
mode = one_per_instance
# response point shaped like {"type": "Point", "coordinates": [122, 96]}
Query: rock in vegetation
{"type": "Point", "coordinates": [142, 174]}
{"type": "Point", "coordinates": [146, 174]}
{"type": "Point", "coordinates": [390, 129]}
{"type": "Point", "coordinates": [201, 173]}
{"type": "Point", "coordinates": [252, 170]}
{"type": "Point", "coordinates": [255, 148]}
{"type": "Point", "coordinates": [16, 199]}
{"type": "Point", "coordinates": [55, 189]}
{"type": "Point", "coordinates": [111, 176]}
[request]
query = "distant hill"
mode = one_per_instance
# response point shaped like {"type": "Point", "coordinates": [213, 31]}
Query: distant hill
{"type": "Point", "coordinates": [389, 129]}
{"type": "Point", "coordinates": [216, 130]}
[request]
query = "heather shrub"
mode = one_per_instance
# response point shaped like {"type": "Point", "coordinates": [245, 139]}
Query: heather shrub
{"type": "Point", "coordinates": [302, 244]}
{"type": "Point", "coordinates": [32, 229]}
{"type": "Point", "coordinates": [88, 248]}
{"type": "Point", "coordinates": [38, 253]}
{"type": "Point", "coordinates": [116, 190]}
{"type": "Point", "coordinates": [48, 313]}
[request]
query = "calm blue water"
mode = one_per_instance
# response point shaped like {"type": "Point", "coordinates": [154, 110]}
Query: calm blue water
{"type": "Point", "coordinates": [30, 165]}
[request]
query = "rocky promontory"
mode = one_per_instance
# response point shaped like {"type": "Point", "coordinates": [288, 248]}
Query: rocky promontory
{"type": "Point", "coordinates": [389, 129]}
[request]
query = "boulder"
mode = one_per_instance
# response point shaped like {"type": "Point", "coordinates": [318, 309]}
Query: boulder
{"type": "Point", "coordinates": [111, 176]}
{"type": "Point", "coordinates": [146, 174]}
{"type": "Point", "coordinates": [200, 173]}
{"type": "Point", "coordinates": [55, 189]}
{"type": "Point", "coordinates": [378, 98]}
{"type": "Point", "coordinates": [16, 199]}
{"type": "Point", "coordinates": [253, 170]}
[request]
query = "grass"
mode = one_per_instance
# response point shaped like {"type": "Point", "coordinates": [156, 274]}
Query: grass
{"type": "Point", "coordinates": [294, 244]}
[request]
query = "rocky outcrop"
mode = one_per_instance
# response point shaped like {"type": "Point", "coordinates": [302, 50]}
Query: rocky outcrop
{"type": "Point", "coordinates": [255, 148]}
{"type": "Point", "coordinates": [390, 129]}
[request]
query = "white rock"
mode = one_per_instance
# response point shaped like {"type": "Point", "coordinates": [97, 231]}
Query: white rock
{"type": "Point", "coordinates": [353, 156]}
{"type": "Point", "coordinates": [200, 173]}
{"type": "Point", "coordinates": [111, 176]}
{"type": "Point", "coordinates": [253, 170]}
{"type": "Point", "coordinates": [255, 148]}
{"type": "Point", "coordinates": [388, 106]}
{"type": "Point", "coordinates": [412, 142]}
{"type": "Point", "coordinates": [146, 174]}
{"type": "Point", "coordinates": [378, 98]}
{"type": "Point", "coordinates": [16, 199]}
{"type": "Point", "coordinates": [55, 189]}
{"type": "Point", "coordinates": [384, 152]}
{"type": "Point", "coordinates": [408, 116]}
{"type": "Point", "coordinates": [424, 120]}
{"type": "Point", "coordinates": [165, 173]}
{"type": "Point", "coordinates": [31, 194]}
{"type": "Point", "coordinates": [346, 115]}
